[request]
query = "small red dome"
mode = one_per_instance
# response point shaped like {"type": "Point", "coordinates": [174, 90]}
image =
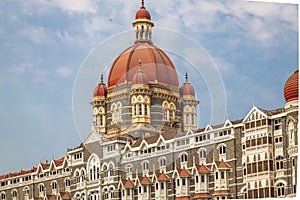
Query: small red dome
{"type": "Point", "coordinates": [291, 92]}
{"type": "Point", "coordinates": [142, 13]}
{"type": "Point", "coordinates": [187, 89]}
{"type": "Point", "coordinates": [157, 66]}
{"type": "Point", "coordinates": [101, 89]}
{"type": "Point", "coordinates": [140, 77]}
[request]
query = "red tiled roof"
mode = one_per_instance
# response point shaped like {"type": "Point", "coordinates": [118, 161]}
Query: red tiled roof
{"type": "Point", "coordinates": [202, 168]}
{"type": "Point", "coordinates": [272, 112]}
{"type": "Point", "coordinates": [183, 172]}
{"type": "Point", "coordinates": [65, 195]}
{"type": "Point", "coordinates": [238, 121]}
{"type": "Point", "coordinates": [152, 139]}
{"type": "Point", "coordinates": [144, 180]}
{"type": "Point", "coordinates": [221, 192]}
{"type": "Point", "coordinates": [59, 161]}
{"type": "Point", "coordinates": [45, 166]}
{"type": "Point", "coordinates": [202, 195]}
{"type": "Point", "coordinates": [127, 183]}
{"type": "Point", "coordinates": [162, 176]}
{"type": "Point", "coordinates": [183, 198]}
{"type": "Point", "coordinates": [137, 142]}
{"type": "Point", "coordinates": [51, 197]}
{"type": "Point", "coordinates": [14, 174]}
{"type": "Point", "coordinates": [222, 165]}
{"type": "Point", "coordinates": [217, 126]}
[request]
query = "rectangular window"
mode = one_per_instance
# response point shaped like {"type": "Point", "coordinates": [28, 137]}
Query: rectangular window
{"type": "Point", "coordinates": [248, 143]}
{"type": "Point", "coordinates": [162, 186]}
{"type": "Point", "coordinates": [178, 182]}
{"type": "Point", "coordinates": [197, 179]}
{"type": "Point", "coordinates": [202, 178]}
{"type": "Point", "coordinates": [222, 175]}
{"type": "Point", "coordinates": [253, 142]}
{"type": "Point", "coordinates": [183, 181]}
{"type": "Point", "coordinates": [145, 109]}
{"type": "Point", "coordinates": [217, 175]}
{"type": "Point", "coordinates": [140, 109]}
{"type": "Point", "coordinates": [258, 141]}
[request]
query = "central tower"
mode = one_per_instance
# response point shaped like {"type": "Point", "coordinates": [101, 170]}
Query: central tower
{"type": "Point", "coordinates": [142, 96]}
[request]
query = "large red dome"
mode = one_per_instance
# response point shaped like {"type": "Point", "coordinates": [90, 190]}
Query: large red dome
{"type": "Point", "coordinates": [291, 92]}
{"type": "Point", "coordinates": [156, 65]}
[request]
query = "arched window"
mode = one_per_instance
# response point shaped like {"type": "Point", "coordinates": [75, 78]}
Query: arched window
{"type": "Point", "coordinates": [183, 158]}
{"type": "Point", "coordinates": [105, 170]}
{"type": "Point", "coordinates": [41, 188]}
{"type": "Point", "coordinates": [172, 112]}
{"type": "Point", "coordinates": [94, 168]}
{"type": "Point", "coordinates": [280, 190]}
{"type": "Point", "coordinates": [162, 162]}
{"type": "Point", "coordinates": [128, 168]}
{"type": "Point", "coordinates": [67, 182]}
{"type": "Point", "coordinates": [111, 169]}
{"type": "Point", "coordinates": [222, 150]}
{"type": "Point", "coordinates": [26, 191]}
{"type": "Point", "coordinates": [54, 185]}
{"type": "Point", "coordinates": [140, 106]}
{"type": "Point", "coordinates": [3, 196]}
{"type": "Point", "coordinates": [202, 153]}
{"type": "Point", "coordinates": [77, 177]}
{"type": "Point", "coordinates": [82, 177]}
{"type": "Point", "coordinates": [14, 194]}
{"type": "Point", "coordinates": [145, 165]}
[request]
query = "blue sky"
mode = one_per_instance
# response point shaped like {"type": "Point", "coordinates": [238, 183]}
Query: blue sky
{"type": "Point", "coordinates": [43, 43]}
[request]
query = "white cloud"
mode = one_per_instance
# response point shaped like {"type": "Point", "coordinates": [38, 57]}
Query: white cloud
{"type": "Point", "coordinates": [36, 34]}
{"type": "Point", "coordinates": [64, 72]}
{"type": "Point", "coordinates": [43, 6]}
{"type": "Point", "coordinates": [76, 6]}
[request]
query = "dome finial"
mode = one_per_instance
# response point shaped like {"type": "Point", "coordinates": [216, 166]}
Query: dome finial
{"type": "Point", "coordinates": [143, 4]}
{"type": "Point", "coordinates": [186, 77]}
{"type": "Point", "coordinates": [101, 78]}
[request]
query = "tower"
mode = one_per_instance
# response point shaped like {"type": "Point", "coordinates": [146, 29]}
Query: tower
{"type": "Point", "coordinates": [189, 106]}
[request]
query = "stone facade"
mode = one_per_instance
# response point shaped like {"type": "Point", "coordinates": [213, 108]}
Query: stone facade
{"type": "Point", "coordinates": [144, 144]}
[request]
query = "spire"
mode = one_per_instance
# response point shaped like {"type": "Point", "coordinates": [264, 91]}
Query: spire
{"type": "Point", "coordinates": [186, 77]}
{"type": "Point", "coordinates": [101, 78]}
{"type": "Point", "coordinates": [143, 4]}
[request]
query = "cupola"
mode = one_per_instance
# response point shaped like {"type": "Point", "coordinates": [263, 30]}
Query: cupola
{"type": "Point", "coordinates": [187, 89]}
{"type": "Point", "coordinates": [291, 89]}
{"type": "Point", "coordinates": [101, 89]}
